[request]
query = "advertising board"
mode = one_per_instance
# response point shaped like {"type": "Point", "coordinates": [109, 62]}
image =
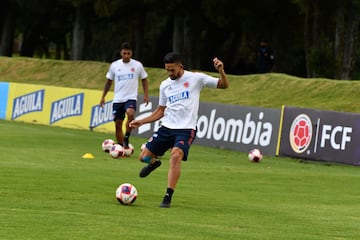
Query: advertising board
{"type": "Point", "coordinates": [320, 135]}
{"type": "Point", "coordinates": [227, 126]}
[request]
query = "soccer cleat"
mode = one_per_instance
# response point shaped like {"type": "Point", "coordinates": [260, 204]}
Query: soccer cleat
{"type": "Point", "coordinates": [149, 168]}
{"type": "Point", "coordinates": [166, 202]}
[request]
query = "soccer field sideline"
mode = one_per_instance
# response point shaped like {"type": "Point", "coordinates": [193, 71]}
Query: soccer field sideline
{"type": "Point", "coordinates": [50, 192]}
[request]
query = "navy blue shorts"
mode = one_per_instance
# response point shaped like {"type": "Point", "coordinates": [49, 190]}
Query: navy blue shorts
{"type": "Point", "coordinates": [166, 138]}
{"type": "Point", "coordinates": [119, 109]}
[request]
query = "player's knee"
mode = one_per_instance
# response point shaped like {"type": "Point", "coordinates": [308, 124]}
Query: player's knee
{"type": "Point", "coordinates": [177, 153]}
{"type": "Point", "coordinates": [130, 113]}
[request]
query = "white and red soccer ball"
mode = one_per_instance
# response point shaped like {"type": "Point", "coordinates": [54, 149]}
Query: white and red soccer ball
{"type": "Point", "coordinates": [107, 144]}
{"type": "Point", "coordinates": [255, 155]}
{"type": "Point", "coordinates": [129, 151]}
{"type": "Point", "coordinates": [126, 194]}
{"type": "Point", "coordinates": [117, 151]}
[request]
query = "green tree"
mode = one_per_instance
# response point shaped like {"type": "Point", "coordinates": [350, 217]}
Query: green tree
{"type": "Point", "coordinates": [330, 33]}
{"type": "Point", "coordinates": [7, 27]}
{"type": "Point", "coordinates": [311, 38]}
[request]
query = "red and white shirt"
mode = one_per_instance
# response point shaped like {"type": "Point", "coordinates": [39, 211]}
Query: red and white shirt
{"type": "Point", "coordinates": [126, 79]}
{"type": "Point", "coordinates": [181, 98]}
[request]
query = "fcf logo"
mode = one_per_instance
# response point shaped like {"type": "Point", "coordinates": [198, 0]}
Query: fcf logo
{"type": "Point", "coordinates": [300, 133]}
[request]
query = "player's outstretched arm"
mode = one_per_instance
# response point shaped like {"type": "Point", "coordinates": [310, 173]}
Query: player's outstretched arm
{"type": "Point", "coordinates": [223, 80]}
{"type": "Point", "coordinates": [146, 90]}
{"type": "Point", "coordinates": [156, 115]}
{"type": "Point", "coordinates": [105, 91]}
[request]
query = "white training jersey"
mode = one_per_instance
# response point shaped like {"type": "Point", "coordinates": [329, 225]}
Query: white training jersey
{"type": "Point", "coordinates": [126, 79]}
{"type": "Point", "coordinates": [181, 98]}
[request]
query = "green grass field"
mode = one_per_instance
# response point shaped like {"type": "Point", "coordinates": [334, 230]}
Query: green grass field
{"type": "Point", "coordinates": [48, 191]}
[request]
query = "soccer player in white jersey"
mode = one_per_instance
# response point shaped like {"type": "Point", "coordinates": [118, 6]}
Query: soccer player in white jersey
{"type": "Point", "coordinates": [125, 73]}
{"type": "Point", "coordinates": [178, 110]}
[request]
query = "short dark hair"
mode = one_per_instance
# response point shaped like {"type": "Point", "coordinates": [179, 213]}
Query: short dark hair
{"type": "Point", "coordinates": [126, 45]}
{"type": "Point", "coordinates": [172, 57]}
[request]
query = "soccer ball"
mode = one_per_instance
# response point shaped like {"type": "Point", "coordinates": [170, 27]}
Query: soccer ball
{"type": "Point", "coordinates": [255, 155]}
{"type": "Point", "coordinates": [107, 144]}
{"type": "Point", "coordinates": [117, 151]}
{"type": "Point", "coordinates": [126, 194]}
{"type": "Point", "coordinates": [129, 151]}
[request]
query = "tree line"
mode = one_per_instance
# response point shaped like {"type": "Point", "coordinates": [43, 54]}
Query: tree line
{"type": "Point", "coordinates": [309, 38]}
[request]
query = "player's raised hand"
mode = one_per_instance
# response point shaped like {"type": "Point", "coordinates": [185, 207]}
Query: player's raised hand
{"type": "Point", "coordinates": [218, 64]}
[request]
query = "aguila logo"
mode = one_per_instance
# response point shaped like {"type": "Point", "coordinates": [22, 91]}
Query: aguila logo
{"type": "Point", "coordinates": [300, 133]}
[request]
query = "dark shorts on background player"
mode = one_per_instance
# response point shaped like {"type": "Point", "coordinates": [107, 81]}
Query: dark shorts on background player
{"type": "Point", "coordinates": [119, 109]}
